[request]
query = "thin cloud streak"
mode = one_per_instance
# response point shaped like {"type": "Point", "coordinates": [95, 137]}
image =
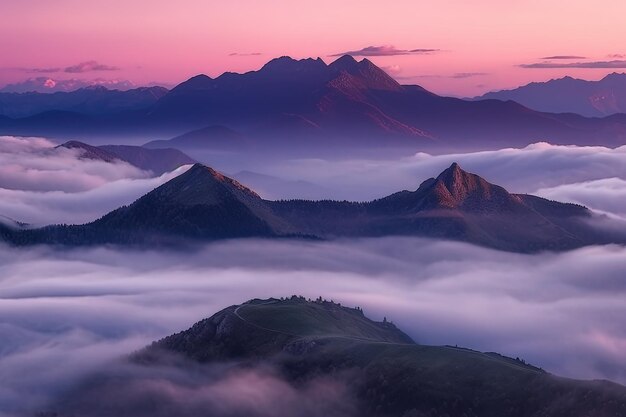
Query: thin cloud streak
{"type": "Point", "coordinates": [595, 64]}
{"type": "Point", "coordinates": [81, 67]}
{"type": "Point", "coordinates": [245, 54]}
{"type": "Point", "coordinates": [89, 66]}
{"type": "Point", "coordinates": [387, 50]}
{"type": "Point", "coordinates": [564, 57]}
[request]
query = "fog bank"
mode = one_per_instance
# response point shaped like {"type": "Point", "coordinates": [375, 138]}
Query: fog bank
{"type": "Point", "coordinates": [66, 314]}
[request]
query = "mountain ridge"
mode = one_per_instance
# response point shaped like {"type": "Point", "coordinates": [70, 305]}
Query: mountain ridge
{"type": "Point", "coordinates": [202, 204]}
{"type": "Point", "coordinates": [601, 98]}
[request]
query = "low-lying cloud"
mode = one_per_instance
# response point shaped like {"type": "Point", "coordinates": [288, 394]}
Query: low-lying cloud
{"type": "Point", "coordinates": [217, 390]}
{"type": "Point", "coordinates": [42, 184]}
{"type": "Point", "coordinates": [68, 314]}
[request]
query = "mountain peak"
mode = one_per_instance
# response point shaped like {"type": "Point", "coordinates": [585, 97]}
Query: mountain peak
{"type": "Point", "coordinates": [368, 74]}
{"type": "Point", "coordinates": [454, 175]}
{"type": "Point", "coordinates": [344, 63]}
{"type": "Point", "coordinates": [615, 76]}
{"type": "Point", "coordinates": [197, 82]}
{"type": "Point", "coordinates": [288, 64]}
{"type": "Point", "coordinates": [458, 188]}
{"type": "Point", "coordinates": [204, 185]}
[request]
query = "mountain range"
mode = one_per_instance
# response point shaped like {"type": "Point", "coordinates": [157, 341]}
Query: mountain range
{"type": "Point", "coordinates": [600, 98]}
{"type": "Point", "coordinates": [387, 373]}
{"type": "Point", "coordinates": [94, 100]}
{"type": "Point", "coordinates": [203, 204]}
{"type": "Point", "coordinates": [308, 103]}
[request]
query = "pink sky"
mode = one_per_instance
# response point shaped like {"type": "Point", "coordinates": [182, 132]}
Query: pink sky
{"type": "Point", "coordinates": [481, 43]}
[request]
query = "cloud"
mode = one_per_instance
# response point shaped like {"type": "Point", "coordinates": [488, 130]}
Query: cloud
{"type": "Point", "coordinates": [392, 69]}
{"type": "Point", "coordinates": [619, 63]}
{"type": "Point", "coordinates": [49, 85]}
{"type": "Point", "coordinates": [81, 67]}
{"type": "Point", "coordinates": [616, 56]}
{"type": "Point", "coordinates": [457, 75]}
{"type": "Point", "coordinates": [245, 54]}
{"type": "Point", "coordinates": [605, 195]}
{"type": "Point", "coordinates": [564, 57]}
{"type": "Point", "coordinates": [89, 66]}
{"type": "Point", "coordinates": [42, 70]}
{"type": "Point", "coordinates": [41, 184]}
{"type": "Point", "coordinates": [462, 75]}
{"type": "Point", "coordinates": [386, 50]}
{"type": "Point", "coordinates": [69, 314]}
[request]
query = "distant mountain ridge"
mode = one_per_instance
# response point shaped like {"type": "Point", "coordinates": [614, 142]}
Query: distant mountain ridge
{"type": "Point", "coordinates": [96, 100]}
{"type": "Point", "coordinates": [600, 98]}
{"type": "Point", "coordinates": [347, 104]}
{"type": "Point", "coordinates": [210, 137]}
{"type": "Point", "coordinates": [159, 161]}
{"type": "Point", "coordinates": [387, 373]}
{"type": "Point", "coordinates": [203, 204]}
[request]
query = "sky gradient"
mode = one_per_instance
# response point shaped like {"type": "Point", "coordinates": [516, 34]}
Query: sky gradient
{"type": "Point", "coordinates": [449, 46]}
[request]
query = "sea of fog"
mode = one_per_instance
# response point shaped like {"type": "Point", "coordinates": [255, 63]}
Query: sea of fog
{"type": "Point", "coordinates": [65, 315]}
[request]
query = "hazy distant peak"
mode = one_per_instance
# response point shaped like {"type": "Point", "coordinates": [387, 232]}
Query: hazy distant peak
{"type": "Point", "coordinates": [570, 95]}
{"type": "Point", "coordinates": [89, 151]}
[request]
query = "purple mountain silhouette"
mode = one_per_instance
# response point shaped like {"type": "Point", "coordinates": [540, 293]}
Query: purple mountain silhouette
{"type": "Point", "coordinates": [570, 95]}
{"type": "Point", "coordinates": [347, 103]}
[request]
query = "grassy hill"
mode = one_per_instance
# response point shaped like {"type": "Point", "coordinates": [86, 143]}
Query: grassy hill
{"type": "Point", "coordinates": [391, 375]}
